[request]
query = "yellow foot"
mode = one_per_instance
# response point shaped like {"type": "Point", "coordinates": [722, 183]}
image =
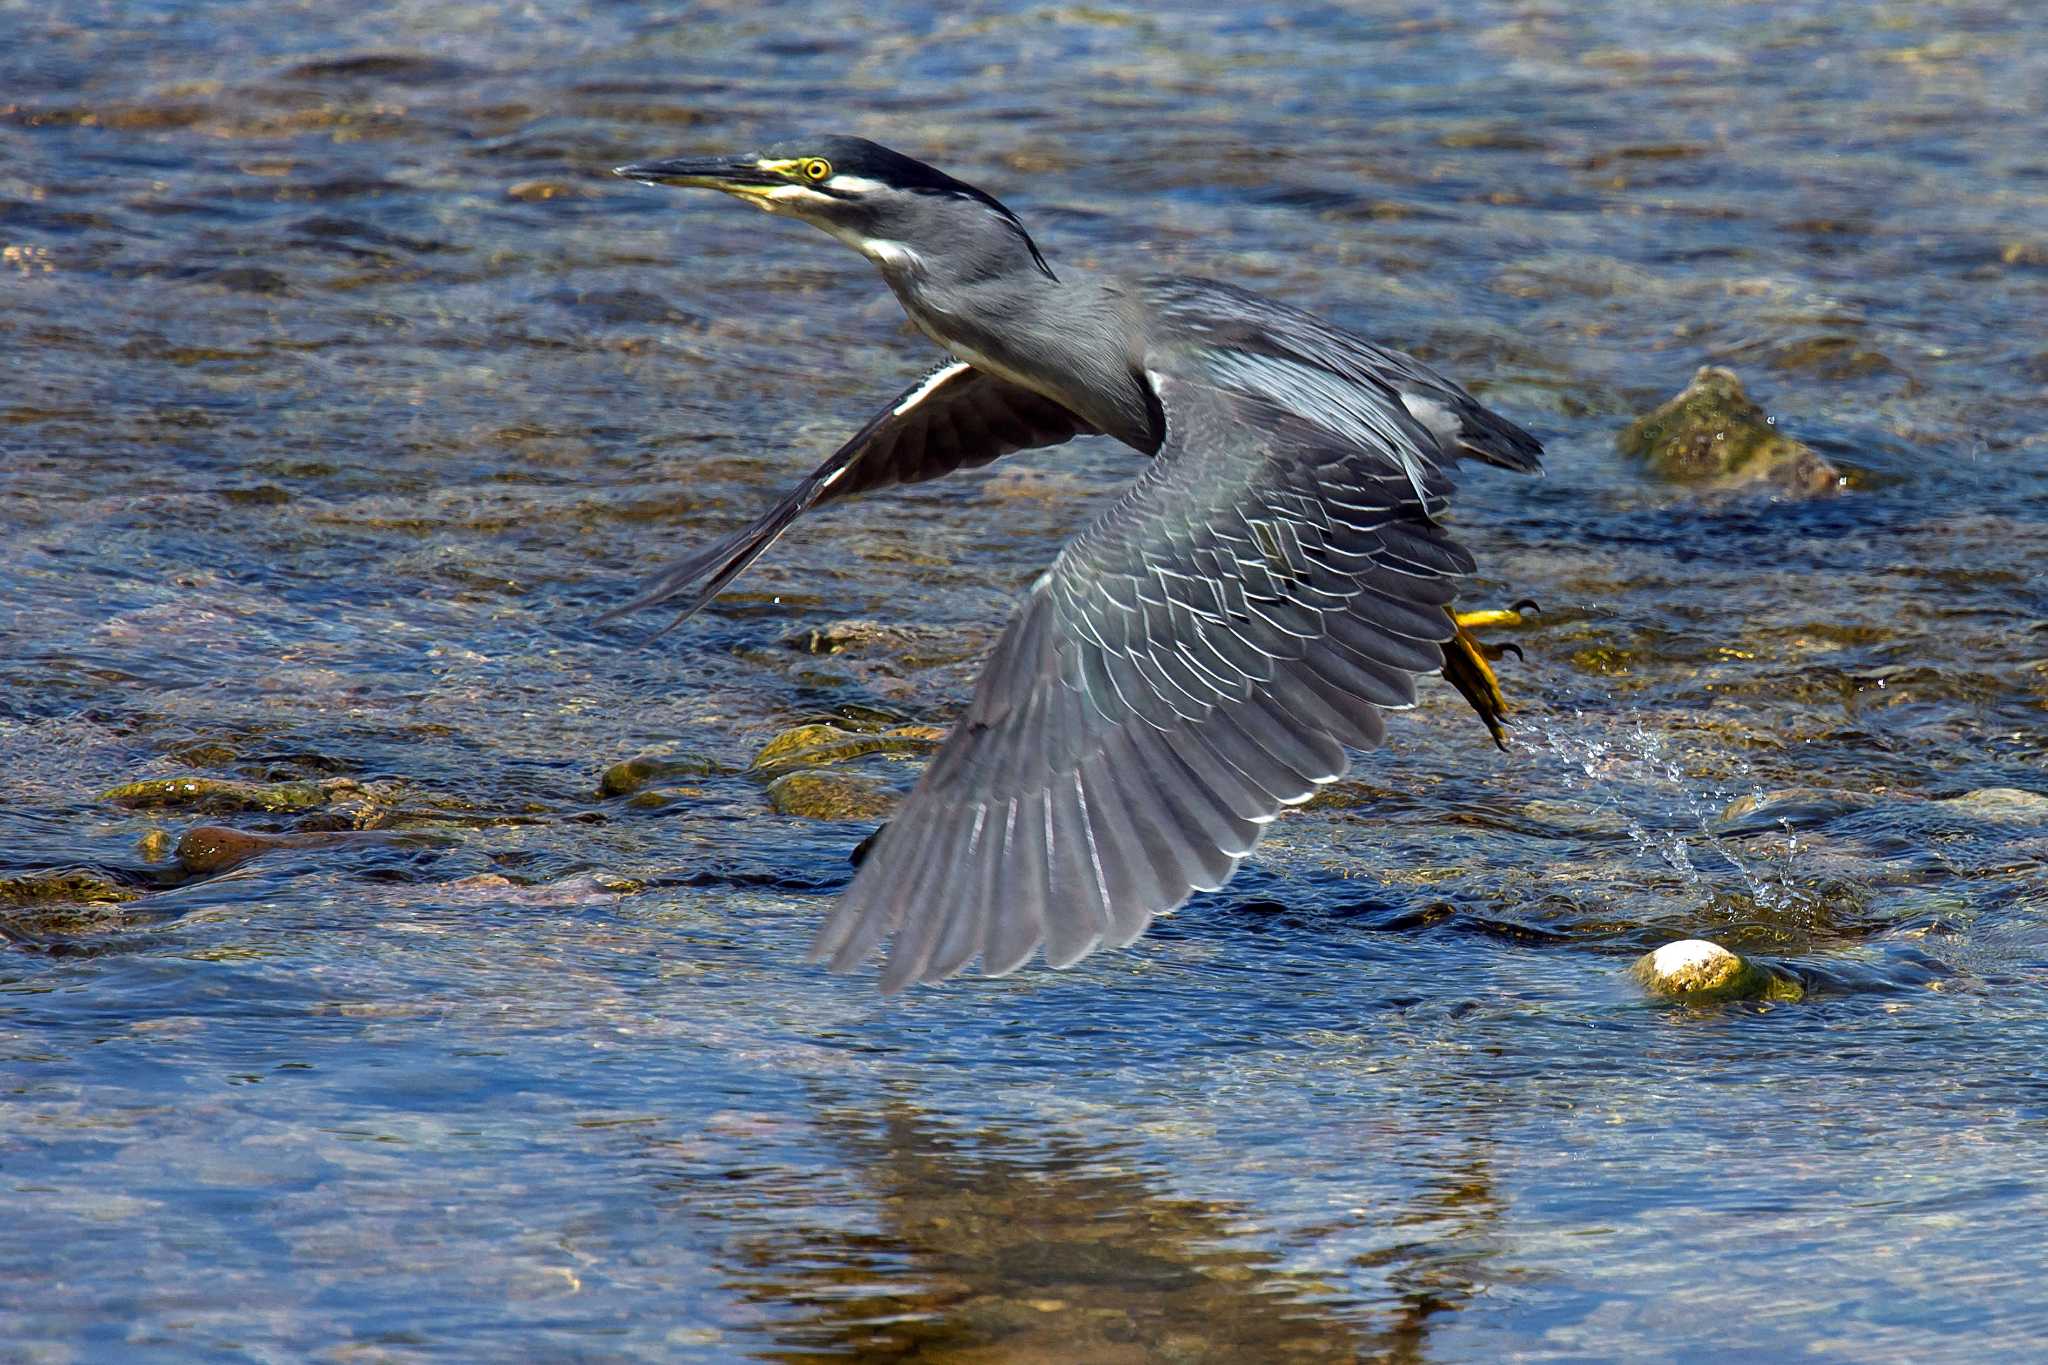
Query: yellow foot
{"type": "Point", "coordinates": [1466, 663]}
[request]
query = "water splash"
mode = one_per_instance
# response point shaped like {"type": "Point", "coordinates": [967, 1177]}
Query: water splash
{"type": "Point", "coordinates": [1634, 776]}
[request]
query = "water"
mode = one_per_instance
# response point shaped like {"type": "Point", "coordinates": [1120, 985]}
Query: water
{"type": "Point", "coordinates": [344, 389]}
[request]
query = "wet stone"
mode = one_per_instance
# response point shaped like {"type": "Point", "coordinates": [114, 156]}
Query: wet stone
{"type": "Point", "coordinates": [633, 774]}
{"type": "Point", "coordinates": [63, 902]}
{"type": "Point", "coordinates": [661, 798]}
{"type": "Point", "coordinates": [841, 636]}
{"type": "Point", "coordinates": [1699, 972]}
{"type": "Point", "coordinates": [829, 796]}
{"type": "Point", "coordinates": [217, 794]}
{"type": "Point", "coordinates": [208, 849]}
{"type": "Point", "coordinates": [67, 885]}
{"type": "Point", "coordinates": [2002, 805]}
{"type": "Point", "coordinates": [808, 746]}
{"type": "Point", "coordinates": [1797, 807]}
{"type": "Point", "coordinates": [900, 646]}
{"type": "Point", "coordinates": [1712, 435]}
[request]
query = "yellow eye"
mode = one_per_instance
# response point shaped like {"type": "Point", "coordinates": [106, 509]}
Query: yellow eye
{"type": "Point", "coordinates": [815, 168]}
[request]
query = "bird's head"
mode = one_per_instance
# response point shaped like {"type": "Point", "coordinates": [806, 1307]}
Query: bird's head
{"type": "Point", "coordinates": [900, 213]}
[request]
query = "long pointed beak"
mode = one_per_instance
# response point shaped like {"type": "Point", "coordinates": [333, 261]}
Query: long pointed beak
{"type": "Point", "coordinates": [733, 174]}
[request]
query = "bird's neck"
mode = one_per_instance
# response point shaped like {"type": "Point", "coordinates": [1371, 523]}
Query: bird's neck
{"type": "Point", "coordinates": [1070, 338]}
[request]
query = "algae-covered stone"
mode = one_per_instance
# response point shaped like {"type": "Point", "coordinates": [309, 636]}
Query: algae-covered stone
{"type": "Point", "coordinates": [1698, 972]}
{"type": "Point", "coordinates": [1713, 435]}
{"type": "Point", "coordinates": [154, 846]}
{"type": "Point", "coordinates": [625, 778]}
{"type": "Point", "coordinates": [828, 796]}
{"type": "Point", "coordinates": [216, 794]}
{"type": "Point", "coordinates": [808, 746]}
{"type": "Point", "coordinates": [64, 902]}
{"type": "Point", "coordinates": [66, 885]}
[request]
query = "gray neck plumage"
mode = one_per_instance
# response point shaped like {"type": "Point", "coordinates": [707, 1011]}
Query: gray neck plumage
{"type": "Point", "coordinates": [992, 300]}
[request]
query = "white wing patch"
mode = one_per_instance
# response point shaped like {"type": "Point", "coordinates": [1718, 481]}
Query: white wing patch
{"type": "Point", "coordinates": [931, 385]}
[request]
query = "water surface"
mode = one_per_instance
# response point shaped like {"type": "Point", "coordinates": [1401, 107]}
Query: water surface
{"type": "Point", "coordinates": [345, 388]}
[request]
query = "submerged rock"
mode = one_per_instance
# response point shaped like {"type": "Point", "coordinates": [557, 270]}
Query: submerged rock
{"type": "Point", "coordinates": [1798, 807]}
{"type": "Point", "coordinates": [154, 846]}
{"type": "Point", "coordinates": [661, 798]}
{"type": "Point", "coordinates": [2003, 804]}
{"type": "Point", "coordinates": [1698, 972]}
{"type": "Point", "coordinates": [829, 796]}
{"type": "Point", "coordinates": [898, 646]}
{"type": "Point", "coordinates": [625, 778]}
{"type": "Point", "coordinates": [65, 902]}
{"type": "Point", "coordinates": [1713, 435]}
{"type": "Point", "coordinates": [72, 885]}
{"type": "Point", "coordinates": [808, 746]}
{"type": "Point", "coordinates": [207, 849]}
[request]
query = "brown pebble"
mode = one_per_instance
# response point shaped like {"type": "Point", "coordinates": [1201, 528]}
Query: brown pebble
{"type": "Point", "coordinates": [207, 849]}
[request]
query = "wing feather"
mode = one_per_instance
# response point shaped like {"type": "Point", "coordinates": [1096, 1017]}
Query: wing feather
{"type": "Point", "coordinates": [956, 417]}
{"type": "Point", "coordinates": [1199, 656]}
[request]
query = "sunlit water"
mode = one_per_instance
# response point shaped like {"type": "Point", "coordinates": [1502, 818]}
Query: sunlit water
{"type": "Point", "coordinates": [344, 389]}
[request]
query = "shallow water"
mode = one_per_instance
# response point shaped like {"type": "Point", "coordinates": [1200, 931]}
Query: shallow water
{"type": "Point", "coordinates": [345, 389]}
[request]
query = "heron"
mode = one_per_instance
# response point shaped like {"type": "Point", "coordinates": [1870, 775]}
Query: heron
{"type": "Point", "coordinates": [1210, 646]}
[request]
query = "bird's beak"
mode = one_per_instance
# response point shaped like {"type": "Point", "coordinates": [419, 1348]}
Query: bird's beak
{"type": "Point", "coordinates": [741, 175]}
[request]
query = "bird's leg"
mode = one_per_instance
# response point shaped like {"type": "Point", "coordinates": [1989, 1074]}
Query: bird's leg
{"type": "Point", "coordinates": [1466, 662]}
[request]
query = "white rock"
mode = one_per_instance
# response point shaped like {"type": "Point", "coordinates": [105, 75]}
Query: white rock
{"type": "Point", "coordinates": [1694, 969]}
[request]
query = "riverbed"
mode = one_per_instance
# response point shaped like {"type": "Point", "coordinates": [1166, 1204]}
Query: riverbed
{"type": "Point", "coordinates": [345, 388]}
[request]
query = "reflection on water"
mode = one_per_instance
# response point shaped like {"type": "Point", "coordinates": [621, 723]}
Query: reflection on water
{"type": "Point", "coordinates": [345, 388]}
{"type": "Point", "coordinates": [986, 1243]}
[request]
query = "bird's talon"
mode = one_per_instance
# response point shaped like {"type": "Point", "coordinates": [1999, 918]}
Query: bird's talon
{"type": "Point", "coordinates": [1466, 666]}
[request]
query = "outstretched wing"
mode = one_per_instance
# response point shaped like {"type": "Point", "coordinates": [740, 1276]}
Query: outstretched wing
{"type": "Point", "coordinates": [956, 417]}
{"type": "Point", "coordinates": [1200, 656]}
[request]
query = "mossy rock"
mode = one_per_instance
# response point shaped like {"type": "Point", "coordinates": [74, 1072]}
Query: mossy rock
{"type": "Point", "coordinates": [216, 794]}
{"type": "Point", "coordinates": [809, 746]}
{"type": "Point", "coordinates": [1697, 972]}
{"type": "Point", "coordinates": [829, 796]}
{"type": "Point", "coordinates": [73, 886]}
{"type": "Point", "coordinates": [1712, 435]}
{"type": "Point", "coordinates": [65, 902]}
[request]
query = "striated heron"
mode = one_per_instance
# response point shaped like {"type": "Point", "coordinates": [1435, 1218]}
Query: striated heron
{"type": "Point", "coordinates": [1207, 648]}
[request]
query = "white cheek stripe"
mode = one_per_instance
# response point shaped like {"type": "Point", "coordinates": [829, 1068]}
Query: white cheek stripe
{"type": "Point", "coordinates": [931, 385]}
{"type": "Point", "coordinates": [855, 184]}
